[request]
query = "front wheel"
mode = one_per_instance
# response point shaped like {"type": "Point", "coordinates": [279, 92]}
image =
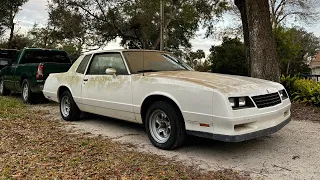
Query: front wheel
{"type": "Point", "coordinates": [3, 90]}
{"type": "Point", "coordinates": [68, 108]}
{"type": "Point", "coordinates": [165, 125]}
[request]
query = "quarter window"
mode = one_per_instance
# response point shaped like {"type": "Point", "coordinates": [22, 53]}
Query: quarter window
{"type": "Point", "coordinates": [83, 65]}
{"type": "Point", "coordinates": [101, 62]}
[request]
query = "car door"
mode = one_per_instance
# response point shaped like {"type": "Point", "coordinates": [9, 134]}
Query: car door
{"type": "Point", "coordinates": [10, 75]}
{"type": "Point", "coordinates": [108, 94]}
{"type": "Point", "coordinates": [77, 79]}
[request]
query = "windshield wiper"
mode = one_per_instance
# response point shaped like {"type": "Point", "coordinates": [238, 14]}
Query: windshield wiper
{"type": "Point", "coordinates": [148, 70]}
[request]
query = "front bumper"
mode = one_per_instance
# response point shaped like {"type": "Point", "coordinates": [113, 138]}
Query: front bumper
{"type": "Point", "coordinates": [242, 137]}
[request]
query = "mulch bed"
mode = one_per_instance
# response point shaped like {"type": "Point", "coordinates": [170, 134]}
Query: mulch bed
{"type": "Point", "coordinates": [304, 112]}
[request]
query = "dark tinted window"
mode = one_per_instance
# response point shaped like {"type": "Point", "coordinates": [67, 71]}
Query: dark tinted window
{"type": "Point", "coordinates": [8, 55]}
{"type": "Point", "coordinates": [101, 62]}
{"type": "Point", "coordinates": [140, 61]}
{"type": "Point", "coordinates": [39, 56]}
{"type": "Point", "coordinates": [83, 65]}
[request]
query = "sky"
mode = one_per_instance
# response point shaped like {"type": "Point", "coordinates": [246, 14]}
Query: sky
{"type": "Point", "coordinates": [35, 11]}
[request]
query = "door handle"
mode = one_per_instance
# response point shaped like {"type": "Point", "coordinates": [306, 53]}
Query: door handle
{"type": "Point", "coordinates": [85, 79]}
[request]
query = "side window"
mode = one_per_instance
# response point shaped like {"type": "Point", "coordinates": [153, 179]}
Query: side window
{"type": "Point", "coordinates": [83, 65]}
{"type": "Point", "coordinates": [15, 58]}
{"type": "Point", "coordinates": [101, 62]}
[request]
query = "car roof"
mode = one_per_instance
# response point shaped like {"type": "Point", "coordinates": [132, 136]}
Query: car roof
{"type": "Point", "coordinates": [43, 49]}
{"type": "Point", "coordinates": [120, 50]}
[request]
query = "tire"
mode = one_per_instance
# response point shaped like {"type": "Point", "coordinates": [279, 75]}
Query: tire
{"type": "Point", "coordinates": [168, 131]}
{"type": "Point", "coordinates": [3, 90]}
{"type": "Point", "coordinates": [27, 95]}
{"type": "Point", "coordinates": [68, 108]}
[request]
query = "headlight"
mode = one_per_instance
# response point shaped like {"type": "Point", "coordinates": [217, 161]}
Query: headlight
{"type": "Point", "coordinates": [240, 102]}
{"type": "Point", "coordinates": [283, 94]}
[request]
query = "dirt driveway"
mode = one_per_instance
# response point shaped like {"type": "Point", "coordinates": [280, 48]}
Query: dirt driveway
{"type": "Point", "coordinates": [292, 153]}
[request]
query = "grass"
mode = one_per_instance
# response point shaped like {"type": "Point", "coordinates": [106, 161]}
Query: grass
{"type": "Point", "coordinates": [32, 147]}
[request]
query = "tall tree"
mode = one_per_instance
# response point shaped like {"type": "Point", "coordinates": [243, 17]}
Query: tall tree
{"type": "Point", "coordinates": [301, 10]}
{"type": "Point", "coordinates": [282, 12]}
{"type": "Point", "coordinates": [44, 37]}
{"type": "Point", "coordinates": [295, 47]}
{"type": "Point", "coordinates": [194, 58]}
{"type": "Point", "coordinates": [9, 10]}
{"type": "Point", "coordinates": [137, 22]}
{"type": "Point", "coordinates": [259, 39]}
{"type": "Point", "coordinates": [71, 26]}
{"type": "Point", "coordinates": [229, 57]}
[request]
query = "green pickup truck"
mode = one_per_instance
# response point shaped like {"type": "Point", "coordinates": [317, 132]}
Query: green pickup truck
{"type": "Point", "coordinates": [27, 73]}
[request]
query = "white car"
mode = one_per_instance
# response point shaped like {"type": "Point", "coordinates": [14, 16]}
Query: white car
{"type": "Point", "coordinates": [170, 99]}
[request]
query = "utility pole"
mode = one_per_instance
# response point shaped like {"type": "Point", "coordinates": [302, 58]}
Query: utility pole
{"type": "Point", "coordinates": [161, 25]}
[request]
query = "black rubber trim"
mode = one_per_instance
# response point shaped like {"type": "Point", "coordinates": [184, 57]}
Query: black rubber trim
{"type": "Point", "coordinates": [243, 137]}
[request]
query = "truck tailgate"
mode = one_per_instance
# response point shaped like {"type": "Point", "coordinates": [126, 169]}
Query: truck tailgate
{"type": "Point", "coordinates": [55, 68]}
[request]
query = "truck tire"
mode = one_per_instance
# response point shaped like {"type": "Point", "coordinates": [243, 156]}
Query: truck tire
{"type": "Point", "coordinates": [68, 108]}
{"type": "Point", "coordinates": [3, 90]}
{"type": "Point", "coordinates": [165, 125]}
{"type": "Point", "coordinates": [27, 95]}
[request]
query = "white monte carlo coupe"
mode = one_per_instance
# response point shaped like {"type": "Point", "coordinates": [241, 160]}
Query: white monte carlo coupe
{"type": "Point", "coordinates": [170, 99]}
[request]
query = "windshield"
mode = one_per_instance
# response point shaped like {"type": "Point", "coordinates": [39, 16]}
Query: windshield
{"type": "Point", "coordinates": [152, 61]}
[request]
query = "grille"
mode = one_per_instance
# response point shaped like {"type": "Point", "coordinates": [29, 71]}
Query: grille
{"type": "Point", "coordinates": [267, 100]}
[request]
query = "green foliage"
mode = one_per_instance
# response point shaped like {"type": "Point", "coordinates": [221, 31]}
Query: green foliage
{"type": "Point", "coordinates": [19, 41]}
{"type": "Point", "coordinates": [194, 58]}
{"type": "Point", "coordinates": [229, 57]}
{"type": "Point", "coordinates": [294, 47]}
{"type": "Point", "coordinates": [11, 107]}
{"type": "Point", "coordinates": [288, 83]}
{"type": "Point", "coordinates": [137, 22]}
{"type": "Point", "coordinates": [43, 37]}
{"type": "Point", "coordinates": [302, 90]}
{"type": "Point", "coordinates": [8, 11]}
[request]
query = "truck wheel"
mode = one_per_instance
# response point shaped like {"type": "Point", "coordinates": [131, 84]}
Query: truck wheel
{"type": "Point", "coordinates": [68, 108]}
{"type": "Point", "coordinates": [165, 125]}
{"type": "Point", "coordinates": [3, 90]}
{"type": "Point", "coordinates": [27, 95]}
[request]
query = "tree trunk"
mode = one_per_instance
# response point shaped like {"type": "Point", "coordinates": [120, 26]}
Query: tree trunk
{"type": "Point", "coordinates": [241, 4]}
{"type": "Point", "coordinates": [11, 36]}
{"type": "Point", "coordinates": [11, 31]}
{"type": "Point", "coordinates": [259, 37]}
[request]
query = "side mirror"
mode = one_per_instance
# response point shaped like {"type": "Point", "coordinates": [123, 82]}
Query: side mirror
{"type": "Point", "coordinates": [111, 71]}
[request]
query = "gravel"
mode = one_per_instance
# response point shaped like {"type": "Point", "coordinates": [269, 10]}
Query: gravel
{"type": "Point", "coordinates": [291, 153]}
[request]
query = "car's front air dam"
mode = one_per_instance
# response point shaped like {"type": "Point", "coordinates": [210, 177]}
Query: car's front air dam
{"type": "Point", "coordinates": [242, 137]}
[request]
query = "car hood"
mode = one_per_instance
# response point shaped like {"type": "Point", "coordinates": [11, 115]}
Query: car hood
{"type": "Point", "coordinates": [228, 84]}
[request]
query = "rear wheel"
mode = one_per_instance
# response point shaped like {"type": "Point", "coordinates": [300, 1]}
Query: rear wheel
{"type": "Point", "coordinates": [27, 95]}
{"type": "Point", "coordinates": [3, 90]}
{"type": "Point", "coordinates": [165, 125]}
{"type": "Point", "coordinates": [68, 108]}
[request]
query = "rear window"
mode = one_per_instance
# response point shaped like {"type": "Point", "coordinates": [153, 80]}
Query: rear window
{"type": "Point", "coordinates": [45, 56]}
{"type": "Point", "coordinates": [83, 65]}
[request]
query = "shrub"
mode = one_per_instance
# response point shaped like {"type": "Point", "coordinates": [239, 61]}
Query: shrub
{"type": "Point", "coordinates": [302, 90]}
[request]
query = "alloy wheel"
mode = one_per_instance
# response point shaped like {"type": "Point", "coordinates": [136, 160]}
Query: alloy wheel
{"type": "Point", "coordinates": [160, 127]}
